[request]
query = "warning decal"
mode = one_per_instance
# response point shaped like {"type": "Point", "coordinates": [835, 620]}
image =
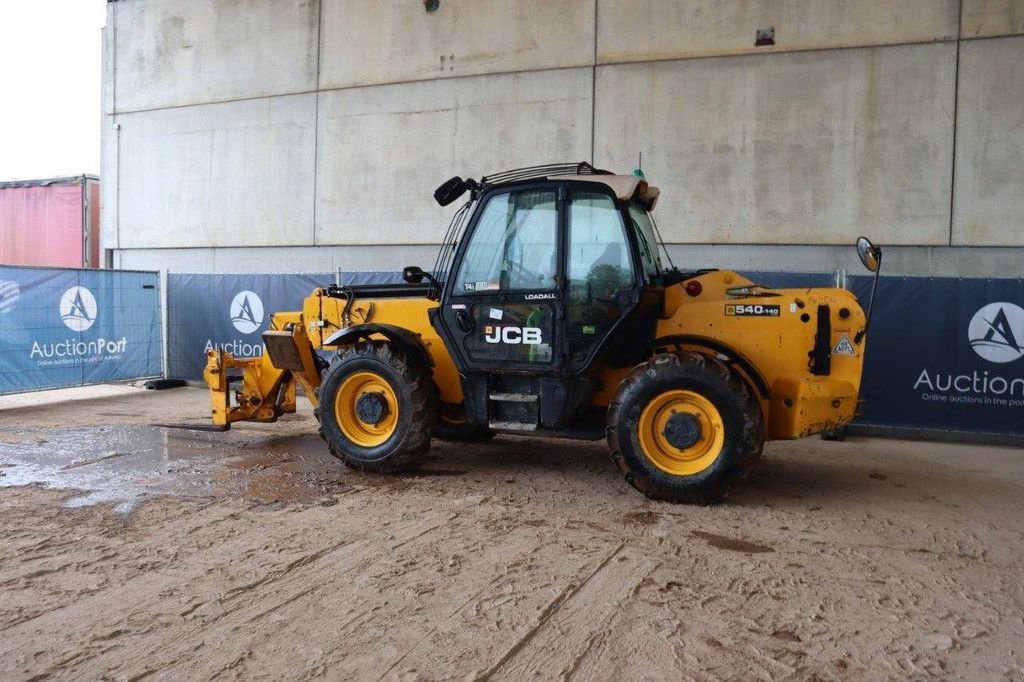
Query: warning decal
{"type": "Point", "coordinates": [844, 347]}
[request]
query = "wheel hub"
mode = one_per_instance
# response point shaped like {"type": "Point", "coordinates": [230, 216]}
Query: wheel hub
{"type": "Point", "coordinates": [371, 408]}
{"type": "Point", "coordinates": [682, 430]}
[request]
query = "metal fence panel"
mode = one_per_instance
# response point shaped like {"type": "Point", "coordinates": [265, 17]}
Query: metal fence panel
{"type": "Point", "coordinates": [945, 354]}
{"type": "Point", "coordinates": [206, 312]}
{"type": "Point", "coordinates": [66, 327]}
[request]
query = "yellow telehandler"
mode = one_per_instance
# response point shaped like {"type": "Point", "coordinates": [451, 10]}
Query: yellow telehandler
{"type": "Point", "coordinates": [549, 313]}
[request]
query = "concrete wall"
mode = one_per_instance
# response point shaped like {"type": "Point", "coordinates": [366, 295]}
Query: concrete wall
{"type": "Point", "coordinates": [258, 135]}
{"type": "Point", "coordinates": [988, 206]}
{"type": "Point", "coordinates": [869, 151]}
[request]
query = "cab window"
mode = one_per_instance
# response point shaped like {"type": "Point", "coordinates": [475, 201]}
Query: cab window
{"type": "Point", "coordinates": [600, 269]}
{"type": "Point", "coordinates": [647, 241]}
{"type": "Point", "coordinates": [514, 245]}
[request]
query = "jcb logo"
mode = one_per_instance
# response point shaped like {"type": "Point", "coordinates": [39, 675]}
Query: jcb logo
{"type": "Point", "coordinates": [513, 335]}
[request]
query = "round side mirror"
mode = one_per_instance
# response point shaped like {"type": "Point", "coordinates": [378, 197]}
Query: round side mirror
{"type": "Point", "coordinates": [870, 255]}
{"type": "Point", "coordinates": [413, 274]}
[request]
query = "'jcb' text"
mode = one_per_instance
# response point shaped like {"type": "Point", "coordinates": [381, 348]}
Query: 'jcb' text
{"type": "Point", "coordinates": [513, 335]}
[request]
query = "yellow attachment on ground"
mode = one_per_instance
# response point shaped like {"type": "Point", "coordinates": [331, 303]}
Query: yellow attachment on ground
{"type": "Point", "coordinates": [267, 391]}
{"type": "Point", "coordinates": [669, 458]}
{"type": "Point", "coordinates": [363, 433]}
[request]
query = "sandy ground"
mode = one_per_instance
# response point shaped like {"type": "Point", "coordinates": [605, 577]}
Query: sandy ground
{"type": "Point", "coordinates": [146, 551]}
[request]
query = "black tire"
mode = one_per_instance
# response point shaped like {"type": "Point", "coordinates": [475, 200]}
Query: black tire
{"type": "Point", "coordinates": [836, 434]}
{"type": "Point", "coordinates": [741, 418]}
{"type": "Point", "coordinates": [452, 427]}
{"type": "Point", "coordinates": [416, 397]}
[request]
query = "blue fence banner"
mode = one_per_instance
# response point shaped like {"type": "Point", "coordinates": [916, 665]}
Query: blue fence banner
{"type": "Point", "coordinates": [945, 354]}
{"type": "Point", "coordinates": [231, 312]}
{"type": "Point", "coordinates": [64, 327]}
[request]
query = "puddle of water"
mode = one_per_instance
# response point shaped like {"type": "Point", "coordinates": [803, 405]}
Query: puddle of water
{"type": "Point", "coordinates": [123, 465]}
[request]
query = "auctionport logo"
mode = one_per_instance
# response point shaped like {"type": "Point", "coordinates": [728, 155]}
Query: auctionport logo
{"type": "Point", "coordinates": [996, 332]}
{"type": "Point", "coordinates": [246, 312]}
{"type": "Point", "coordinates": [78, 309]}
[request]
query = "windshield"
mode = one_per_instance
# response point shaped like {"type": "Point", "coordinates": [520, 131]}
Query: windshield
{"type": "Point", "coordinates": [514, 244]}
{"type": "Point", "coordinates": [647, 240]}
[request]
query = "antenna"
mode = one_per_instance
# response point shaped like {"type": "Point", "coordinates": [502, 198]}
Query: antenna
{"type": "Point", "coordinates": [639, 170]}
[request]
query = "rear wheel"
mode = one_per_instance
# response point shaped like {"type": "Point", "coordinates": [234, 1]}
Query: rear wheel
{"type": "Point", "coordinates": [377, 409]}
{"type": "Point", "coordinates": [683, 427]}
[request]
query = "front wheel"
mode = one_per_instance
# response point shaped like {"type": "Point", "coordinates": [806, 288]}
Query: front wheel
{"type": "Point", "coordinates": [683, 427]}
{"type": "Point", "coordinates": [377, 409]}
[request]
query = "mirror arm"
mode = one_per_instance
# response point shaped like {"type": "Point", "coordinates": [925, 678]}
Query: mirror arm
{"type": "Point", "coordinates": [871, 303]}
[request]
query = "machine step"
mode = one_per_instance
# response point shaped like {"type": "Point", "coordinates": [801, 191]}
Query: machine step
{"type": "Point", "coordinates": [513, 426]}
{"type": "Point", "coordinates": [514, 397]}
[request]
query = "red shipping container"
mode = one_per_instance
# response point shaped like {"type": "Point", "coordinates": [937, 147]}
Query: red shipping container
{"type": "Point", "coordinates": [53, 222]}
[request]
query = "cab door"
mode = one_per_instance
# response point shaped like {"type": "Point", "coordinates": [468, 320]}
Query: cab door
{"type": "Point", "coordinates": [502, 308]}
{"type": "Point", "coordinates": [603, 287]}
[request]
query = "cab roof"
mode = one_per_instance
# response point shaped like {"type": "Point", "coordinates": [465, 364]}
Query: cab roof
{"type": "Point", "coordinates": [625, 187]}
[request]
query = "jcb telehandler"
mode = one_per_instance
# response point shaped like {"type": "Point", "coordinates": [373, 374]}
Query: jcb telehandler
{"type": "Point", "coordinates": [548, 312]}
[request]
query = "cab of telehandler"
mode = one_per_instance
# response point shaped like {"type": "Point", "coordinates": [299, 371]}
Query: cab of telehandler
{"type": "Point", "coordinates": [556, 277]}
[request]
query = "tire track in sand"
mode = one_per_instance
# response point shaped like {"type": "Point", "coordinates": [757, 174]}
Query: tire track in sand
{"type": "Point", "coordinates": [562, 637]}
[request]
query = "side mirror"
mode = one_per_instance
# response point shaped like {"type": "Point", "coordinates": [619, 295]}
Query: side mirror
{"type": "Point", "coordinates": [870, 255]}
{"type": "Point", "coordinates": [450, 190]}
{"type": "Point", "coordinates": [413, 274]}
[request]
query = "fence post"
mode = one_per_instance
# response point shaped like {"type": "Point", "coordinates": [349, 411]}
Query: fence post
{"type": "Point", "coordinates": [164, 318]}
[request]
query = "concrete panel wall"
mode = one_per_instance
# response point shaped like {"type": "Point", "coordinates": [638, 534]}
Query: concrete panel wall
{"type": "Point", "coordinates": [108, 141]}
{"type": "Point", "coordinates": [989, 205]}
{"type": "Point", "coordinates": [981, 18]}
{"type": "Point", "coordinates": [172, 53]}
{"type": "Point", "coordinates": [353, 111]}
{"type": "Point", "coordinates": [641, 30]}
{"type": "Point", "coordinates": [389, 41]}
{"type": "Point", "coordinates": [232, 174]}
{"type": "Point", "coordinates": [109, 217]}
{"type": "Point", "coordinates": [383, 150]}
{"type": "Point", "coordinates": [792, 148]}
{"type": "Point", "coordinates": [107, 62]}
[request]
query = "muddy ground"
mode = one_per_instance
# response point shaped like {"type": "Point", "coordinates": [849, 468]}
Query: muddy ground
{"type": "Point", "coordinates": [133, 550]}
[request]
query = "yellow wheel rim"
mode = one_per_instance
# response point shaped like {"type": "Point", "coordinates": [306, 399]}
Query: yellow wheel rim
{"type": "Point", "coordinates": [346, 409]}
{"type": "Point", "coordinates": [674, 460]}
